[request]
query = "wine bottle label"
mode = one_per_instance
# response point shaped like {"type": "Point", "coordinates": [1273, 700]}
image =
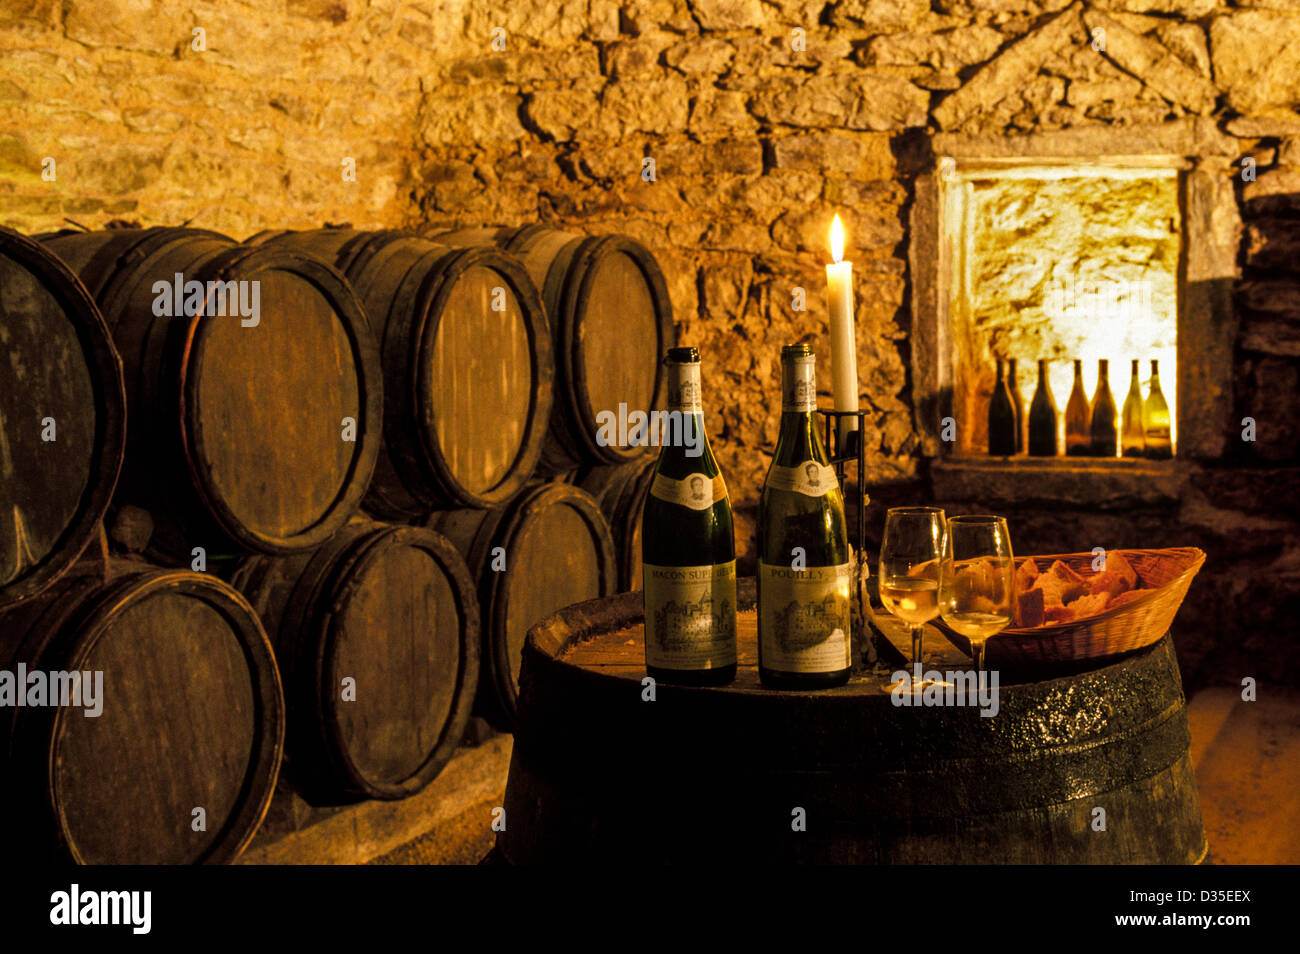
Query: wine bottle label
{"type": "Point", "coordinates": [809, 478]}
{"type": "Point", "coordinates": [696, 491]}
{"type": "Point", "coordinates": [804, 618]}
{"type": "Point", "coordinates": [684, 387]}
{"type": "Point", "coordinates": [690, 616]}
{"type": "Point", "coordinates": [799, 385]}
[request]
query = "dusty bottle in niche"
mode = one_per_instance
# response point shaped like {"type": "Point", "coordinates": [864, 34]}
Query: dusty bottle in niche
{"type": "Point", "coordinates": [1132, 443]}
{"type": "Point", "coordinates": [805, 566]}
{"type": "Point", "coordinates": [1078, 413]}
{"type": "Point", "coordinates": [1042, 417]}
{"type": "Point", "coordinates": [688, 546]}
{"type": "Point", "coordinates": [1103, 432]}
{"type": "Point", "coordinates": [1156, 424]}
{"type": "Point", "coordinates": [1002, 419]}
{"type": "Point", "coordinates": [1017, 405]}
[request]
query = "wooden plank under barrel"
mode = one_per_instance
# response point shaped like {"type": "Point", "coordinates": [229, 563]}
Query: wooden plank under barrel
{"type": "Point", "coordinates": [249, 434]}
{"type": "Point", "coordinates": [180, 761]}
{"type": "Point", "coordinates": [62, 417]}
{"type": "Point", "coordinates": [600, 773]}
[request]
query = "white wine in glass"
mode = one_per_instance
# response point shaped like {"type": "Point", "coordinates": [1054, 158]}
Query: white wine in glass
{"type": "Point", "coordinates": [909, 567]}
{"type": "Point", "coordinates": [913, 601]}
{"type": "Point", "coordinates": [977, 580]}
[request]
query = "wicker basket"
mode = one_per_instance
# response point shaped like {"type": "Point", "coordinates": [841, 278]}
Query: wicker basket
{"type": "Point", "coordinates": [1168, 573]}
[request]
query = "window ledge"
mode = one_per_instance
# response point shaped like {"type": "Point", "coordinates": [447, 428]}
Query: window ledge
{"type": "Point", "coordinates": [1079, 482]}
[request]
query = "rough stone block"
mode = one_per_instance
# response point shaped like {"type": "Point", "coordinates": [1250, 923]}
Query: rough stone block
{"type": "Point", "coordinates": [700, 57]}
{"type": "Point", "coordinates": [1187, 42]}
{"type": "Point", "coordinates": [878, 103]}
{"type": "Point", "coordinates": [1256, 57]}
{"type": "Point", "coordinates": [1153, 64]}
{"type": "Point", "coordinates": [1005, 74]}
{"type": "Point", "coordinates": [865, 155]}
{"type": "Point", "coordinates": [881, 15]}
{"type": "Point", "coordinates": [729, 14]}
{"type": "Point", "coordinates": [720, 111]}
{"type": "Point", "coordinates": [950, 50]}
{"type": "Point", "coordinates": [655, 107]}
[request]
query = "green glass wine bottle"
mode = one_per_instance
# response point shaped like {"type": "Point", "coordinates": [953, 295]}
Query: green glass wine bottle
{"type": "Point", "coordinates": [1104, 431]}
{"type": "Point", "coordinates": [688, 546]}
{"type": "Point", "coordinates": [1042, 417]}
{"type": "Point", "coordinates": [1017, 405]}
{"type": "Point", "coordinates": [1156, 424]}
{"type": "Point", "coordinates": [1078, 414]}
{"type": "Point", "coordinates": [1132, 441]}
{"type": "Point", "coordinates": [805, 566]}
{"type": "Point", "coordinates": [1002, 419]}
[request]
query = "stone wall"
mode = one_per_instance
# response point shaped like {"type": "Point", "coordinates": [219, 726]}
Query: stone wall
{"type": "Point", "coordinates": [762, 118]}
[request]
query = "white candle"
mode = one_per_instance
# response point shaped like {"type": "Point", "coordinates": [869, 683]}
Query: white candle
{"type": "Point", "coordinates": [844, 352]}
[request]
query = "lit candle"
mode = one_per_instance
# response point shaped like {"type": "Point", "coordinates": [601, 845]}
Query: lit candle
{"type": "Point", "coordinates": [844, 352]}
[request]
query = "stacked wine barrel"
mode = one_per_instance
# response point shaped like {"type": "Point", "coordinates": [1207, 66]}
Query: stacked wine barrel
{"type": "Point", "coordinates": [294, 503]}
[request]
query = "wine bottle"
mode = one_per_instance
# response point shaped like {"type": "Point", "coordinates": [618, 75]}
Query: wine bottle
{"type": "Point", "coordinates": [1078, 413]}
{"type": "Point", "coordinates": [688, 546]}
{"type": "Point", "coordinates": [1002, 419]}
{"type": "Point", "coordinates": [1042, 417]}
{"type": "Point", "coordinates": [805, 568]}
{"type": "Point", "coordinates": [1103, 434]}
{"type": "Point", "coordinates": [1132, 443]}
{"type": "Point", "coordinates": [1155, 420]}
{"type": "Point", "coordinates": [1017, 404]}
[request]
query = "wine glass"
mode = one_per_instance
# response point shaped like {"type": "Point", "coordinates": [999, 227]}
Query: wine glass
{"type": "Point", "coordinates": [909, 567]}
{"type": "Point", "coordinates": [976, 580]}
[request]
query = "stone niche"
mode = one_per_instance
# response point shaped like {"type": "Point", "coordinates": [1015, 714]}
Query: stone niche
{"type": "Point", "coordinates": [1088, 244]}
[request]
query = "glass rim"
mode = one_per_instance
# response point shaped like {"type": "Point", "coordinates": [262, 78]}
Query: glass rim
{"type": "Point", "coordinates": [916, 510]}
{"type": "Point", "coordinates": [977, 518]}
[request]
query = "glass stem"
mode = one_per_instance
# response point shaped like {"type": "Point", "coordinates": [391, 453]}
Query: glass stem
{"type": "Point", "coordinates": [977, 653]}
{"type": "Point", "coordinates": [916, 644]}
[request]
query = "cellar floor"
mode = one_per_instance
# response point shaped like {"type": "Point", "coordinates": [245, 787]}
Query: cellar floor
{"type": "Point", "coordinates": [450, 822]}
{"type": "Point", "coordinates": [1247, 761]}
{"type": "Point", "coordinates": [1246, 756]}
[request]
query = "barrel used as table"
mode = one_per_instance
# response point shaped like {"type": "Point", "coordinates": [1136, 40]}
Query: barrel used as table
{"type": "Point", "coordinates": [253, 424]}
{"type": "Point", "coordinates": [377, 637]}
{"type": "Point", "coordinates": [467, 364]}
{"type": "Point", "coordinates": [609, 311]}
{"type": "Point", "coordinates": [166, 749]}
{"type": "Point", "coordinates": [1090, 768]}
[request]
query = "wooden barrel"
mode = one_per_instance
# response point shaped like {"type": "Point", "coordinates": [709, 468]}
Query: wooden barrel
{"type": "Point", "coordinates": [62, 417]}
{"type": "Point", "coordinates": [467, 363]}
{"type": "Point", "coordinates": [377, 636]}
{"type": "Point", "coordinates": [621, 492]}
{"type": "Point", "coordinates": [612, 320]}
{"type": "Point", "coordinates": [179, 765]}
{"type": "Point", "coordinates": [598, 773]}
{"type": "Point", "coordinates": [548, 548]}
{"type": "Point", "coordinates": [258, 433]}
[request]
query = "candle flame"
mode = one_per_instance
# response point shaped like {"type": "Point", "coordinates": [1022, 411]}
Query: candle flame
{"type": "Point", "coordinates": [837, 239]}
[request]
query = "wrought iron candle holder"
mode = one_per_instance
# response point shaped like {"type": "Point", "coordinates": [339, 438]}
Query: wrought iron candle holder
{"type": "Point", "coordinates": [854, 449]}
